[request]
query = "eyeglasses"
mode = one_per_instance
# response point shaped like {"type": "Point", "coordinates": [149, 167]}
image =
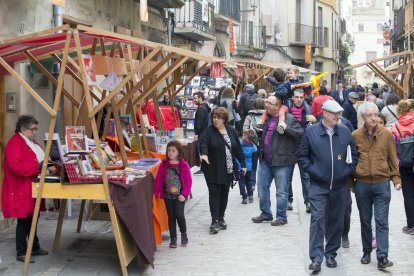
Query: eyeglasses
{"type": "Point", "coordinates": [371, 115]}
{"type": "Point", "coordinates": [33, 129]}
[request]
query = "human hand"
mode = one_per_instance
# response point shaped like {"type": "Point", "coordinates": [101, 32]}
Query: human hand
{"type": "Point", "coordinates": [181, 198]}
{"type": "Point", "coordinates": [52, 169]}
{"type": "Point", "coordinates": [244, 171]}
{"type": "Point", "coordinates": [204, 158]}
{"type": "Point", "coordinates": [397, 186]}
{"type": "Point", "coordinates": [283, 124]}
{"type": "Point", "coordinates": [310, 118]}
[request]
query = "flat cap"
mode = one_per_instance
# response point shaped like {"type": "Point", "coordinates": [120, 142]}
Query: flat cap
{"type": "Point", "coordinates": [332, 106]}
{"type": "Point", "coordinates": [353, 95]}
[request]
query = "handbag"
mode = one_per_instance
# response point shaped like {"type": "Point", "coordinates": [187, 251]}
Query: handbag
{"type": "Point", "coordinates": [236, 172]}
{"type": "Point", "coordinates": [405, 149]}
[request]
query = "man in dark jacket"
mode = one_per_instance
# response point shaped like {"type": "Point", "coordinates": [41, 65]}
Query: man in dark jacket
{"type": "Point", "coordinates": [349, 109]}
{"type": "Point", "coordinates": [201, 118]}
{"type": "Point", "coordinates": [340, 95]}
{"type": "Point", "coordinates": [246, 101]}
{"type": "Point", "coordinates": [328, 154]}
{"type": "Point", "coordinates": [276, 161]}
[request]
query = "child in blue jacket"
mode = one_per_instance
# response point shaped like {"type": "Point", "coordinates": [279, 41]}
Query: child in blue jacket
{"type": "Point", "coordinates": [249, 148]}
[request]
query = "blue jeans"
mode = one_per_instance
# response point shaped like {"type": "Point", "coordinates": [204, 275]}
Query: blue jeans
{"type": "Point", "coordinates": [305, 179]}
{"type": "Point", "coordinates": [379, 195]}
{"type": "Point", "coordinates": [267, 174]}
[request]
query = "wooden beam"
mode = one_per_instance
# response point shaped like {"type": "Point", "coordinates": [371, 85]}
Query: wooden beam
{"type": "Point", "coordinates": [94, 43]}
{"type": "Point", "coordinates": [34, 35]}
{"type": "Point", "coordinates": [50, 77]}
{"type": "Point", "coordinates": [381, 71]}
{"type": "Point", "coordinates": [119, 133]}
{"type": "Point", "coordinates": [164, 75]}
{"type": "Point", "coordinates": [158, 115]}
{"type": "Point", "coordinates": [102, 43]}
{"type": "Point", "coordinates": [379, 59]}
{"type": "Point", "coordinates": [28, 88]}
{"type": "Point", "coordinates": [190, 78]}
{"type": "Point", "coordinates": [262, 76]}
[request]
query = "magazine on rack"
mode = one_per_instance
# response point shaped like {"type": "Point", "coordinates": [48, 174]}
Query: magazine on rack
{"type": "Point", "coordinates": [76, 139]}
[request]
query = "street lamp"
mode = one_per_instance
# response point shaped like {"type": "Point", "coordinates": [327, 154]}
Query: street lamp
{"type": "Point", "coordinates": [352, 46]}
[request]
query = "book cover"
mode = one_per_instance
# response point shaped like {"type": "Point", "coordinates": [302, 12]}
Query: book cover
{"type": "Point", "coordinates": [56, 151]}
{"type": "Point", "coordinates": [126, 124]}
{"type": "Point", "coordinates": [76, 139]}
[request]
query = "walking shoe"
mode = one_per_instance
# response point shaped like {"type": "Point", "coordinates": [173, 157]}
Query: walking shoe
{"type": "Point", "coordinates": [251, 199]}
{"type": "Point", "coordinates": [345, 242]}
{"type": "Point", "coordinates": [40, 252]}
{"type": "Point", "coordinates": [308, 207]}
{"type": "Point", "coordinates": [290, 207]}
{"type": "Point", "coordinates": [278, 222]}
{"type": "Point", "coordinates": [222, 224]}
{"type": "Point", "coordinates": [407, 230]}
{"type": "Point", "coordinates": [173, 242]}
{"type": "Point", "coordinates": [244, 201]}
{"type": "Point", "coordinates": [280, 129]}
{"type": "Point", "coordinates": [383, 262]}
{"type": "Point", "coordinates": [374, 243]}
{"type": "Point", "coordinates": [214, 227]}
{"type": "Point", "coordinates": [21, 258]}
{"type": "Point", "coordinates": [184, 239]}
{"type": "Point", "coordinates": [366, 258]}
{"type": "Point", "coordinates": [330, 262]}
{"type": "Point", "coordinates": [199, 172]}
{"type": "Point", "coordinates": [260, 219]}
{"type": "Point", "coordinates": [315, 266]}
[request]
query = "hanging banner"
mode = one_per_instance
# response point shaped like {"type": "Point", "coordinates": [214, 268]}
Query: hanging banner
{"type": "Point", "coordinates": [308, 54]}
{"type": "Point", "coordinates": [231, 35]}
{"type": "Point", "coordinates": [204, 11]}
{"type": "Point", "coordinates": [143, 9]}
{"type": "Point", "coordinates": [60, 3]}
{"type": "Point", "coordinates": [216, 70]}
{"type": "Point", "coordinates": [239, 71]}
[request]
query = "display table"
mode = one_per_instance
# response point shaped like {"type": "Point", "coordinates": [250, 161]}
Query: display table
{"type": "Point", "coordinates": [135, 217]}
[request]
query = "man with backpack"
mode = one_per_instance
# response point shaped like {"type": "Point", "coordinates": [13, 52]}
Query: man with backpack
{"type": "Point", "coordinates": [201, 119]}
{"type": "Point", "coordinates": [246, 102]}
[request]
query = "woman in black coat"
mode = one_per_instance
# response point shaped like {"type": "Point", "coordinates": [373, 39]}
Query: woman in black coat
{"type": "Point", "coordinates": [219, 147]}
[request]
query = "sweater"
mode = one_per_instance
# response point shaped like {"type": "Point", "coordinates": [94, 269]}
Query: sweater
{"type": "Point", "coordinates": [378, 160]}
{"type": "Point", "coordinates": [390, 113]}
{"type": "Point", "coordinates": [185, 178]}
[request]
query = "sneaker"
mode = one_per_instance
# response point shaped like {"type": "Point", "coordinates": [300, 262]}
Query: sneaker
{"type": "Point", "coordinates": [280, 129]}
{"type": "Point", "coordinates": [290, 207]}
{"type": "Point", "coordinates": [374, 243]}
{"type": "Point", "coordinates": [251, 200]}
{"type": "Point", "coordinates": [383, 262]}
{"type": "Point", "coordinates": [278, 222]}
{"type": "Point", "coordinates": [244, 201]}
{"type": "Point", "coordinates": [173, 242]}
{"type": "Point", "coordinates": [199, 172]}
{"type": "Point", "coordinates": [184, 239]}
{"type": "Point", "coordinates": [214, 227]}
{"type": "Point", "coordinates": [40, 252]}
{"type": "Point", "coordinates": [407, 230]}
{"type": "Point", "coordinates": [222, 224]}
{"type": "Point", "coordinates": [21, 258]}
{"type": "Point", "coordinates": [308, 207]}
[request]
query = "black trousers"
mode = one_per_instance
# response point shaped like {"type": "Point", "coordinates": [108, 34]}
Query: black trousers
{"type": "Point", "coordinates": [175, 211]}
{"type": "Point", "coordinates": [22, 235]}
{"type": "Point", "coordinates": [347, 216]}
{"type": "Point", "coordinates": [407, 179]}
{"type": "Point", "coordinates": [218, 198]}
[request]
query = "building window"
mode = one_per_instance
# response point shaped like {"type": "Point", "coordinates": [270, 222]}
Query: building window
{"type": "Point", "coordinates": [379, 27]}
{"type": "Point", "coordinates": [360, 27]}
{"type": "Point", "coordinates": [371, 55]}
{"type": "Point", "coordinates": [364, 3]}
{"type": "Point", "coordinates": [318, 66]}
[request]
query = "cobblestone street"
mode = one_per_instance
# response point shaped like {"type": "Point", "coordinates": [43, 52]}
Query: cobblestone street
{"type": "Point", "coordinates": [245, 248]}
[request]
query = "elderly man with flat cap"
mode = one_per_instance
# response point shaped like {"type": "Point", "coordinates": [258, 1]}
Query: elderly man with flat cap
{"type": "Point", "coordinates": [328, 155]}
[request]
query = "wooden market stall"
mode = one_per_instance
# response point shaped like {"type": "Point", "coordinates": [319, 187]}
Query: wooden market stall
{"type": "Point", "coordinates": [403, 85]}
{"type": "Point", "coordinates": [142, 67]}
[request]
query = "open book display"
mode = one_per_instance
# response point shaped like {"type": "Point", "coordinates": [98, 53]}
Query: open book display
{"type": "Point", "coordinates": [76, 139]}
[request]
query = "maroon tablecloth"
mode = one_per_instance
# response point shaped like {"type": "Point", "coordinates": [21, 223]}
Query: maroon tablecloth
{"type": "Point", "coordinates": [191, 154]}
{"type": "Point", "coordinates": [133, 203]}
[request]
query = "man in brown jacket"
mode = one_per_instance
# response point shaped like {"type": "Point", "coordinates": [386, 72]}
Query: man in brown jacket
{"type": "Point", "coordinates": [377, 164]}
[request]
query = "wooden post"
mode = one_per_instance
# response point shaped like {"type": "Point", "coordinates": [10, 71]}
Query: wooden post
{"type": "Point", "coordinates": [47, 151]}
{"type": "Point", "coordinates": [190, 78]}
{"type": "Point", "coordinates": [157, 113]}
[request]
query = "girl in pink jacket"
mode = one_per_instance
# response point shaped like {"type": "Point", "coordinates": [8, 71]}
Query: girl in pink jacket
{"type": "Point", "coordinates": [173, 183]}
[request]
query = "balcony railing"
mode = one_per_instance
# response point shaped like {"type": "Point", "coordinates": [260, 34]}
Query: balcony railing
{"type": "Point", "coordinates": [189, 21]}
{"type": "Point", "coordinates": [227, 8]}
{"type": "Point", "coordinates": [300, 34]}
{"type": "Point", "coordinates": [399, 21]}
{"type": "Point", "coordinates": [249, 36]}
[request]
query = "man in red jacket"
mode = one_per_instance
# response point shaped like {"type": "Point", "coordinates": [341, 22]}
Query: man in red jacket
{"type": "Point", "coordinates": [318, 102]}
{"type": "Point", "coordinates": [167, 118]}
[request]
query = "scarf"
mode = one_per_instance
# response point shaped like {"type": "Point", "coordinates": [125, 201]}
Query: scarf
{"type": "Point", "coordinates": [40, 155]}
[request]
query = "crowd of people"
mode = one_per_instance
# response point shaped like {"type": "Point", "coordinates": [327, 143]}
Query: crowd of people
{"type": "Point", "coordinates": [344, 140]}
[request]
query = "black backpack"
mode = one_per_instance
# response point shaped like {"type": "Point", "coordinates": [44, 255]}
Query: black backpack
{"type": "Point", "coordinates": [250, 99]}
{"type": "Point", "coordinates": [405, 149]}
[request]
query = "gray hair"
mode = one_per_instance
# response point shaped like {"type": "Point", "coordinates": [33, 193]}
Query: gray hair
{"type": "Point", "coordinates": [25, 122]}
{"type": "Point", "coordinates": [367, 105]}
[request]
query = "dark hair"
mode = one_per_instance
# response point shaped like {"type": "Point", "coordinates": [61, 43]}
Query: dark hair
{"type": "Point", "coordinates": [323, 91]}
{"type": "Point", "coordinates": [259, 103]}
{"type": "Point", "coordinates": [376, 93]}
{"type": "Point", "coordinates": [228, 93]}
{"type": "Point", "coordinates": [374, 85]}
{"type": "Point", "coordinates": [383, 118]}
{"type": "Point", "coordinates": [279, 74]}
{"type": "Point", "coordinates": [200, 95]}
{"type": "Point", "coordinates": [361, 96]}
{"type": "Point", "coordinates": [221, 113]}
{"type": "Point", "coordinates": [25, 121]}
{"type": "Point", "coordinates": [392, 99]}
{"type": "Point", "coordinates": [178, 146]}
